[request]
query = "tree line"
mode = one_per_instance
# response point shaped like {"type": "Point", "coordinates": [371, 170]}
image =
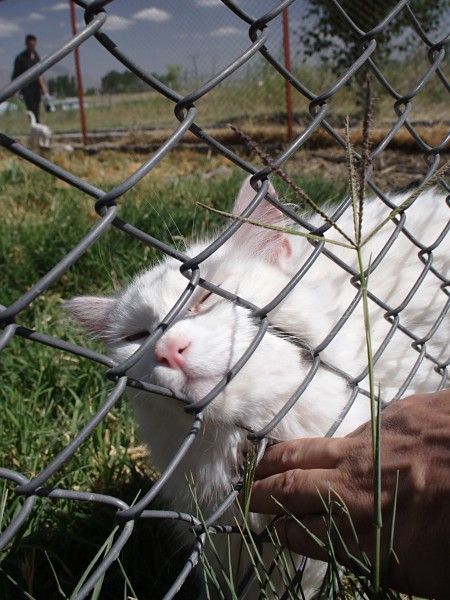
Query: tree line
{"type": "Point", "coordinates": [331, 39]}
{"type": "Point", "coordinates": [114, 82]}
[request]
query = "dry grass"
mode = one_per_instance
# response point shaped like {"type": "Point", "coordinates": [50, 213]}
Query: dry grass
{"type": "Point", "coordinates": [258, 99]}
{"type": "Point", "coordinates": [276, 135]}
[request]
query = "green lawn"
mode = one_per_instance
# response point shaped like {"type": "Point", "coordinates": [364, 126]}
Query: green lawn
{"type": "Point", "coordinates": [46, 395]}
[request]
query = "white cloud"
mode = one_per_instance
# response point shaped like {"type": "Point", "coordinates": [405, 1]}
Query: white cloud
{"type": "Point", "coordinates": [116, 23]}
{"type": "Point", "coordinates": [59, 6]}
{"type": "Point", "coordinates": [190, 36]}
{"type": "Point", "coordinates": [35, 16]}
{"type": "Point", "coordinates": [209, 3]}
{"type": "Point", "coordinates": [7, 28]}
{"type": "Point", "coordinates": [225, 31]}
{"type": "Point", "coordinates": [158, 15]}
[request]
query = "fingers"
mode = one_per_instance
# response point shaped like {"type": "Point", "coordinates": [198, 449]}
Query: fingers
{"type": "Point", "coordinates": [297, 491]}
{"type": "Point", "coordinates": [305, 537]}
{"type": "Point", "coordinates": [311, 536]}
{"type": "Point", "coordinates": [305, 453]}
{"type": "Point", "coordinates": [298, 475]}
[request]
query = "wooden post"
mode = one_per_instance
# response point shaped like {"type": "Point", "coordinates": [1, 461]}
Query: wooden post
{"type": "Point", "coordinates": [287, 85]}
{"type": "Point", "coordinates": [79, 79]}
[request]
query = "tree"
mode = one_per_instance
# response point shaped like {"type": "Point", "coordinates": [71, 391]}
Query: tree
{"type": "Point", "coordinates": [172, 76]}
{"type": "Point", "coordinates": [115, 82]}
{"type": "Point", "coordinates": [333, 39]}
{"type": "Point", "coordinates": [62, 86]}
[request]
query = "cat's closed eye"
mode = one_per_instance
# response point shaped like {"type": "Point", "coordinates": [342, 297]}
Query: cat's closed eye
{"type": "Point", "coordinates": [136, 336]}
{"type": "Point", "coordinates": [139, 335]}
{"type": "Point", "coordinates": [198, 305]}
{"type": "Point", "coordinates": [205, 297]}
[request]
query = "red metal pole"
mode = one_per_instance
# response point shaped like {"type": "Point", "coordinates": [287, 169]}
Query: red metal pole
{"type": "Point", "coordinates": [287, 64]}
{"type": "Point", "coordinates": [78, 76]}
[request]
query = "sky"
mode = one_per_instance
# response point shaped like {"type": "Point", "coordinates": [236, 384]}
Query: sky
{"type": "Point", "coordinates": [196, 34]}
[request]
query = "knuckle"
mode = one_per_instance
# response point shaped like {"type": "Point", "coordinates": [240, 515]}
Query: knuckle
{"type": "Point", "coordinates": [288, 456]}
{"type": "Point", "coordinates": [289, 483]}
{"type": "Point", "coordinates": [337, 451]}
{"type": "Point", "coordinates": [418, 478]}
{"type": "Point", "coordinates": [354, 461]}
{"type": "Point", "coordinates": [408, 421]}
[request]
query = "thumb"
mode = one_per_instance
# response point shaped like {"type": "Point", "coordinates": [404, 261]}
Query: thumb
{"type": "Point", "coordinates": [306, 536]}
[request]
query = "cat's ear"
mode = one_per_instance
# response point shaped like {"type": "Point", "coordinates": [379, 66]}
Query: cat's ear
{"type": "Point", "coordinates": [93, 313]}
{"type": "Point", "coordinates": [273, 246]}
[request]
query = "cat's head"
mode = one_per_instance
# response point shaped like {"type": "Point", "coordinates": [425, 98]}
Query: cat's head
{"type": "Point", "coordinates": [212, 333]}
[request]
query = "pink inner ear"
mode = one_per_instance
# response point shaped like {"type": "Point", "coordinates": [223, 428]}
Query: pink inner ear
{"type": "Point", "coordinates": [264, 212]}
{"type": "Point", "coordinates": [276, 248]}
{"type": "Point", "coordinates": [287, 248]}
{"type": "Point", "coordinates": [271, 245]}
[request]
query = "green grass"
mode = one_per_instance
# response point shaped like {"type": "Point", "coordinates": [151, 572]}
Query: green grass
{"type": "Point", "coordinates": [47, 396]}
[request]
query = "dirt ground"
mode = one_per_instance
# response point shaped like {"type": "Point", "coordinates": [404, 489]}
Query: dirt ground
{"type": "Point", "coordinates": [108, 162]}
{"type": "Point", "coordinates": [394, 170]}
{"type": "Point", "coordinates": [399, 166]}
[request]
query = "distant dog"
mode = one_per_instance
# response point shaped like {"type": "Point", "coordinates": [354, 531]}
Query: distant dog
{"type": "Point", "coordinates": [40, 134]}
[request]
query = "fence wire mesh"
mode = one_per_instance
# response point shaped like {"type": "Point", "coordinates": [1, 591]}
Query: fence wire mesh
{"type": "Point", "coordinates": [107, 207]}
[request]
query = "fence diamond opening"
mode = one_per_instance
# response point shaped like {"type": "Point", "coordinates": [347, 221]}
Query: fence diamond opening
{"type": "Point", "coordinates": [108, 208]}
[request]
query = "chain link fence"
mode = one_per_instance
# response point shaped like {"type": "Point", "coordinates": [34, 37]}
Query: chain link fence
{"type": "Point", "coordinates": [187, 109]}
{"type": "Point", "coordinates": [199, 41]}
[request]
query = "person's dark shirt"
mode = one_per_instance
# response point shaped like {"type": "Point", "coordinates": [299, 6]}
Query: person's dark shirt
{"type": "Point", "coordinates": [24, 61]}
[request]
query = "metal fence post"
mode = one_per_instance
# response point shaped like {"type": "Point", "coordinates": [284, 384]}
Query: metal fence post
{"type": "Point", "coordinates": [78, 76]}
{"type": "Point", "coordinates": [287, 84]}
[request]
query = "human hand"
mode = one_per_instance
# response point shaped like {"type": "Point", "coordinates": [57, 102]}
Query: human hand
{"type": "Point", "coordinates": [415, 442]}
{"type": "Point", "coordinates": [48, 104]}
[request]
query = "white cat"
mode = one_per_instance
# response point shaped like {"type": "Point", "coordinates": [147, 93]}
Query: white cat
{"type": "Point", "coordinates": [212, 334]}
{"type": "Point", "coordinates": [40, 134]}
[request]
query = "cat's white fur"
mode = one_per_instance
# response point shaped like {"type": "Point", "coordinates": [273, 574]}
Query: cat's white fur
{"type": "Point", "coordinates": [256, 264]}
{"type": "Point", "coordinates": [40, 134]}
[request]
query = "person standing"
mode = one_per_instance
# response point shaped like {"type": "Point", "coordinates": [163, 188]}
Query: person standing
{"type": "Point", "coordinates": [33, 91]}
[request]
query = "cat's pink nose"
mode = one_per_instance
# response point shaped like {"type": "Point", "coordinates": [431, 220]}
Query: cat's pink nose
{"type": "Point", "coordinates": [169, 352]}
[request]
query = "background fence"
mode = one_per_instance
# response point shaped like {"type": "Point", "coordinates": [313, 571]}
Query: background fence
{"type": "Point", "coordinates": [29, 491]}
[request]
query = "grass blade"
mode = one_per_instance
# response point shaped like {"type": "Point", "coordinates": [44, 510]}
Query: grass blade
{"type": "Point", "coordinates": [288, 230]}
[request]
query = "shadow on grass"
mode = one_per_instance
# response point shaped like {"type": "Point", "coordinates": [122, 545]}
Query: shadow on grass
{"type": "Point", "coordinates": [47, 564]}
